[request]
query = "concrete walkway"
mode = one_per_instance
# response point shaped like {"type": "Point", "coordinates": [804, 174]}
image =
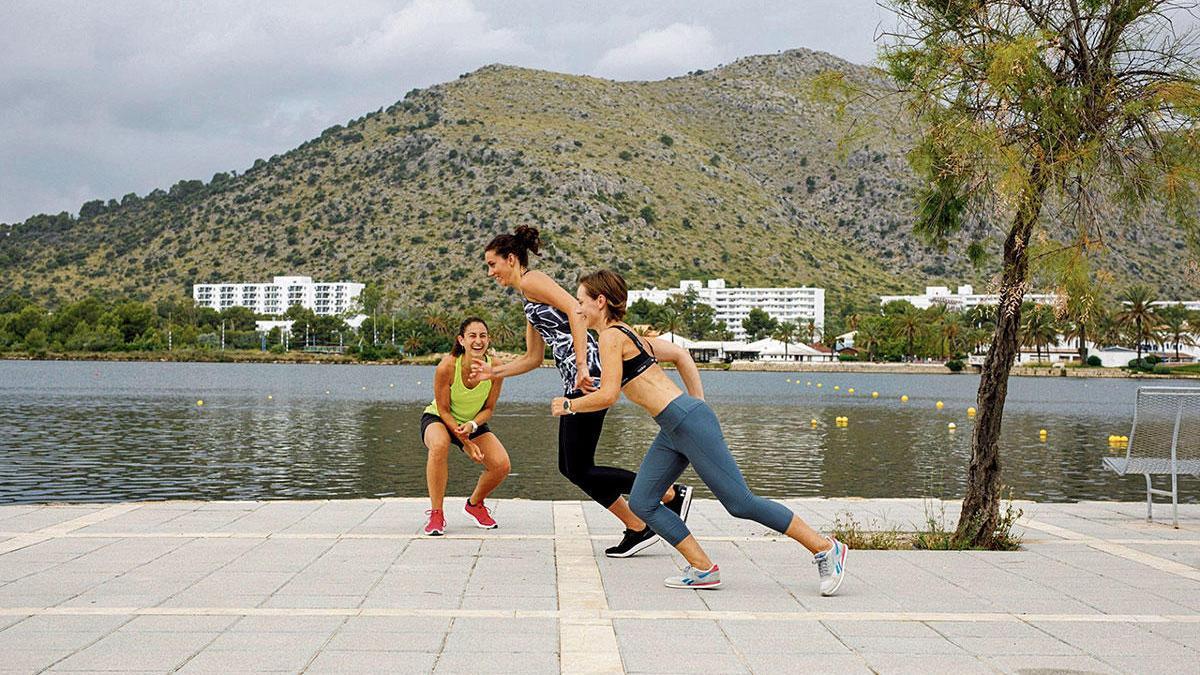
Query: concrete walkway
{"type": "Point", "coordinates": [340, 586]}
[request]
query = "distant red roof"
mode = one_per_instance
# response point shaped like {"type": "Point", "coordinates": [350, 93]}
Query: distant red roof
{"type": "Point", "coordinates": [821, 348]}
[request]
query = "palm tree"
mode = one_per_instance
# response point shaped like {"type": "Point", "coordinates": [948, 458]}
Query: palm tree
{"type": "Point", "coordinates": [502, 333]}
{"type": "Point", "coordinates": [1176, 327]}
{"type": "Point", "coordinates": [671, 320]}
{"type": "Point", "coordinates": [1038, 328]}
{"type": "Point", "coordinates": [1079, 314]}
{"type": "Point", "coordinates": [852, 321]}
{"type": "Point", "coordinates": [1138, 315]}
{"type": "Point", "coordinates": [1106, 330]}
{"type": "Point", "coordinates": [439, 323]}
{"type": "Point", "coordinates": [412, 341]}
{"type": "Point", "coordinates": [950, 329]}
{"type": "Point", "coordinates": [908, 325]}
{"type": "Point", "coordinates": [785, 333]}
{"type": "Point", "coordinates": [869, 335]}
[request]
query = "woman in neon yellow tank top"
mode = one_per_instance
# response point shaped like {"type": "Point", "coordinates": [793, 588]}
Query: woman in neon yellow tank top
{"type": "Point", "coordinates": [459, 413]}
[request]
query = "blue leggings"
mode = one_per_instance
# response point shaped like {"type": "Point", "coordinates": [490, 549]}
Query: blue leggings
{"type": "Point", "coordinates": [689, 433]}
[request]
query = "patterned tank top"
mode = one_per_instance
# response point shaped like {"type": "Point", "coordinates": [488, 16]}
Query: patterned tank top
{"type": "Point", "coordinates": [555, 329]}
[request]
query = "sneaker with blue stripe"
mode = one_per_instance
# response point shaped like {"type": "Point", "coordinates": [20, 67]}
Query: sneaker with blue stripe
{"type": "Point", "coordinates": [831, 565]}
{"type": "Point", "coordinates": [694, 578]}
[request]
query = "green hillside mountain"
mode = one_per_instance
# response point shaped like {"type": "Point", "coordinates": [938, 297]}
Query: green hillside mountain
{"type": "Point", "coordinates": [733, 172]}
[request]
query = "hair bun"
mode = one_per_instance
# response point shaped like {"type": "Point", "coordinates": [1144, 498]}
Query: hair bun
{"type": "Point", "coordinates": [528, 237]}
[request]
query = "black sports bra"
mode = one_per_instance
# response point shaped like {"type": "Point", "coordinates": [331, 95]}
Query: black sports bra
{"type": "Point", "coordinates": [631, 368]}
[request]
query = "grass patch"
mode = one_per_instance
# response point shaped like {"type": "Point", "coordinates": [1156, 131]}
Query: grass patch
{"type": "Point", "coordinates": [932, 535]}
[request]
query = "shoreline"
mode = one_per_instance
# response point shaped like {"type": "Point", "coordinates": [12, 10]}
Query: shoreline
{"type": "Point", "coordinates": [941, 369]}
{"type": "Point", "coordinates": [231, 356]}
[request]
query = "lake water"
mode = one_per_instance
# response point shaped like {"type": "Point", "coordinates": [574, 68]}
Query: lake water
{"type": "Point", "coordinates": [97, 431]}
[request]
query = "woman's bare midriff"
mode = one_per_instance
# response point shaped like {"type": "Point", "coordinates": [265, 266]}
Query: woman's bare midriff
{"type": "Point", "coordinates": [652, 390]}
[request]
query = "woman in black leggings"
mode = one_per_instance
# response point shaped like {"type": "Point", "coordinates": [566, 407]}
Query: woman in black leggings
{"type": "Point", "coordinates": [550, 320]}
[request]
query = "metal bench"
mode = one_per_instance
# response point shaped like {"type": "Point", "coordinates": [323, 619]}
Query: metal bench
{"type": "Point", "coordinates": [1165, 440]}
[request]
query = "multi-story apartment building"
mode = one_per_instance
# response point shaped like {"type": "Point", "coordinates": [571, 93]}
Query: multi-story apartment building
{"type": "Point", "coordinates": [964, 299]}
{"type": "Point", "coordinates": [732, 304]}
{"type": "Point", "coordinates": [323, 298]}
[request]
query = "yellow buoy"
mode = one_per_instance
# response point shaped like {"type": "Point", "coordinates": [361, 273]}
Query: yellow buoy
{"type": "Point", "coordinates": [940, 405]}
{"type": "Point", "coordinates": [904, 398]}
{"type": "Point", "coordinates": [200, 402]}
{"type": "Point", "coordinates": [807, 384]}
{"type": "Point", "coordinates": [813, 422]}
{"type": "Point", "coordinates": [836, 388]}
{"type": "Point", "coordinates": [1124, 439]}
{"type": "Point", "coordinates": [818, 385]}
{"type": "Point", "coordinates": [971, 412]}
{"type": "Point", "coordinates": [850, 390]}
{"type": "Point", "coordinates": [270, 397]}
{"type": "Point", "coordinates": [874, 394]}
{"type": "Point", "coordinates": [952, 426]}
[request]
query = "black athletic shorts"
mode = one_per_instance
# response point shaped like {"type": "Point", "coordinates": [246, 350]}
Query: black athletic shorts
{"type": "Point", "coordinates": [430, 418]}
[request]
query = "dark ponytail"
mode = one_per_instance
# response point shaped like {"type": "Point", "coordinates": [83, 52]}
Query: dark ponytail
{"type": "Point", "coordinates": [457, 348]}
{"type": "Point", "coordinates": [523, 241]}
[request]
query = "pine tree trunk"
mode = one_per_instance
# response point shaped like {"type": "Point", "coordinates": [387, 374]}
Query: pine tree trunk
{"type": "Point", "coordinates": [981, 503]}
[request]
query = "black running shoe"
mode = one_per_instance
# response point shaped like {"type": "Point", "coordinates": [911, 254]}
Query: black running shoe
{"type": "Point", "coordinates": [632, 543]}
{"type": "Point", "coordinates": [682, 503]}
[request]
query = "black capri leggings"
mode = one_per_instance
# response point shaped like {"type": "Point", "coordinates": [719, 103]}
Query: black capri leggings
{"type": "Point", "coordinates": [578, 436]}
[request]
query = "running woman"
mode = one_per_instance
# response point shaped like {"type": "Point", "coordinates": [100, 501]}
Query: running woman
{"type": "Point", "coordinates": [459, 413]}
{"type": "Point", "coordinates": [688, 433]}
{"type": "Point", "coordinates": [551, 320]}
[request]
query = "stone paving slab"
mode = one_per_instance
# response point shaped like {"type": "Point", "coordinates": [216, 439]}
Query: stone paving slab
{"type": "Point", "coordinates": [350, 586]}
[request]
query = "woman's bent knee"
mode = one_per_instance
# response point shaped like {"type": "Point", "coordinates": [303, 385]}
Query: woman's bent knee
{"type": "Point", "coordinates": [642, 506]}
{"type": "Point", "coordinates": [746, 509]}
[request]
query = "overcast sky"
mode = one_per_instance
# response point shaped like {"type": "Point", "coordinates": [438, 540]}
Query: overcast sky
{"type": "Point", "coordinates": [98, 99]}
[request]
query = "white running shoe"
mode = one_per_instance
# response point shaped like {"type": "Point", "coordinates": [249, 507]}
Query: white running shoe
{"type": "Point", "coordinates": [694, 578]}
{"type": "Point", "coordinates": [831, 565]}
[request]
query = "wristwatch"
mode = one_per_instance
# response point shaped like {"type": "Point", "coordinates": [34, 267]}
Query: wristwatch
{"type": "Point", "coordinates": [474, 426]}
{"type": "Point", "coordinates": [567, 406]}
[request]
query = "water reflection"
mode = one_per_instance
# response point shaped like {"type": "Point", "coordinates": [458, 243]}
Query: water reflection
{"type": "Point", "coordinates": [106, 431]}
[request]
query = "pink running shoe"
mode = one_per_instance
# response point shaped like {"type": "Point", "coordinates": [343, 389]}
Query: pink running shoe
{"type": "Point", "coordinates": [436, 526]}
{"type": "Point", "coordinates": [480, 515]}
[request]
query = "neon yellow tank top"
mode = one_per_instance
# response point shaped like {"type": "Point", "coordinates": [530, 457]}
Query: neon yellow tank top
{"type": "Point", "coordinates": [465, 403]}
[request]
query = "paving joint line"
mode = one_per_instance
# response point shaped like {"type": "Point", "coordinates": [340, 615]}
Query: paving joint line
{"type": "Point", "coordinates": [587, 639]}
{"type": "Point", "coordinates": [586, 617]}
{"type": "Point", "coordinates": [1121, 551]}
{"type": "Point", "coordinates": [742, 539]}
{"type": "Point", "coordinates": [27, 539]}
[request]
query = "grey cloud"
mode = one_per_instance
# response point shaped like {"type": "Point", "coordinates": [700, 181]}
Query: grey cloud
{"type": "Point", "coordinates": [101, 99]}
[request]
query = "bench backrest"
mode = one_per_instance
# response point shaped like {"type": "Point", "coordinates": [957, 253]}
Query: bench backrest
{"type": "Point", "coordinates": [1166, 424]}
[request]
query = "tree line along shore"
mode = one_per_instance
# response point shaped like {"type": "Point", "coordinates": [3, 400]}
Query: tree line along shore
{"type": "Point", "coordinates": [896, 337]}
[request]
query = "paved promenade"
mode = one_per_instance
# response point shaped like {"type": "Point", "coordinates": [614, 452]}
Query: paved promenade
{"type": "Point", "coordinates": [348, 586]}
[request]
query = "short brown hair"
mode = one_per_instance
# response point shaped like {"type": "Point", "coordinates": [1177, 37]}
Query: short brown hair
{"type": "Point", "coordinates": [612, 286]}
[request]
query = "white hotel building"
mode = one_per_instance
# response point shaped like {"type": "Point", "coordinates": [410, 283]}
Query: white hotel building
{"type": "Point", "coordinates": [799, 305]}
{"type": "Point", "coordinates": [323, 298]}
{"type": "Point", "coordinates": [964, 299]}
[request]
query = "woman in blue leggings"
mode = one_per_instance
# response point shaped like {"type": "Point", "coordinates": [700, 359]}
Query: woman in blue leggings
{"type": "Point", "coordinates": [688, 434]}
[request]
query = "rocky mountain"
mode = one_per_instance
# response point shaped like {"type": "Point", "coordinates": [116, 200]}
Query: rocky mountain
{"type": "Point", "coordinates": [735, 172]}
